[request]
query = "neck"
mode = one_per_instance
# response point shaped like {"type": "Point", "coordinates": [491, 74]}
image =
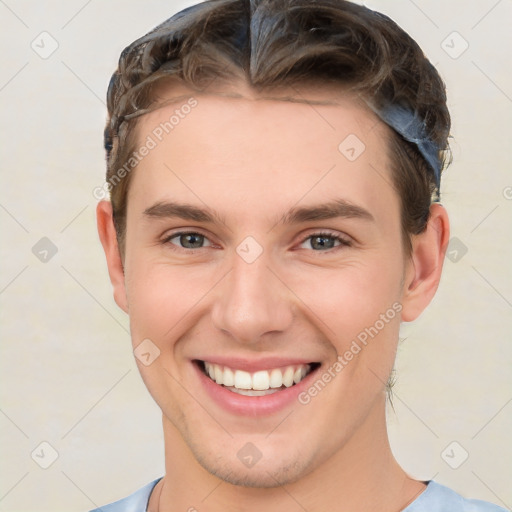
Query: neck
{"type": "Point", "coordinates": [362, 476]}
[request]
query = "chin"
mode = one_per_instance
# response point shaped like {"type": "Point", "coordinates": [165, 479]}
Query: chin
{"type": "Point", "coordinates": [274, 463]}
{"type": "Point", "coordinates": [264, 475]}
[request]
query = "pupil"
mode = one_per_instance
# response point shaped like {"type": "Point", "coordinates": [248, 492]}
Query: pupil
{"type": "Point", "coordinates": [191, 241]}
{"type": "Point", "coordinates": [324, 242]}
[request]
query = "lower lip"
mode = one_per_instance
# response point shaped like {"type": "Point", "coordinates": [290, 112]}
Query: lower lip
{"type": "Point", "coordinates": [253, 405]}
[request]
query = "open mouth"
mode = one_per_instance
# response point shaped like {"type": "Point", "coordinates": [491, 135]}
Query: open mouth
{"type": "Point", "coordinates": [259, 383]}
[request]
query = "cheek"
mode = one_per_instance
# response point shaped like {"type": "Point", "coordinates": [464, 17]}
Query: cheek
{"type": "Point", "coordinates": [349, 298]}
{"type": "Point", "coordinates": [357, 307]}
{"type": "Point", "coordinates": [153, 304]}
{"type": "Point", "coordinates": [161, 297]}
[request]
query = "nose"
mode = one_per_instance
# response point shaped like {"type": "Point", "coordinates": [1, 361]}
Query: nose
{"type": "Point", "coordinates": [252, 302]}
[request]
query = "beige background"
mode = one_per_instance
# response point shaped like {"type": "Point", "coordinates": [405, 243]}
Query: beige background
{"type": "Point", "coordinates": [69, 376]}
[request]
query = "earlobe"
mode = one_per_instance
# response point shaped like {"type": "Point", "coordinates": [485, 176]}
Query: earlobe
{"type": "Point", "coordinates": [107, 234]}
{"type": "Point", "coordinates": [426, 264]}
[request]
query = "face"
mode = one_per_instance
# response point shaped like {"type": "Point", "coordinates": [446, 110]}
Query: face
{"type": "Point", "coordinates": [264, 266]}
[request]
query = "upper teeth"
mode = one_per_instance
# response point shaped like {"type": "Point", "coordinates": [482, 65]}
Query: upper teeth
{"type": "Point", "coordinates": [261, 380]}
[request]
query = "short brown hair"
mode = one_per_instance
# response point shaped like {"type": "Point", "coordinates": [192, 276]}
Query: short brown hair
{"type": "Point", "coordinates": [279, 43]}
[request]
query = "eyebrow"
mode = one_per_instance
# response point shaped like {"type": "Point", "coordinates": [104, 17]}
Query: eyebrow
{"type": "Point", "coordinates": [329, 210]}
{"type": "Point", "coordinates": [183, 211]}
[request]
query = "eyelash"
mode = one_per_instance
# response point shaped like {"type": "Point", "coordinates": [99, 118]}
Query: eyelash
{"type": "Point", "coordinates": [343, 242]}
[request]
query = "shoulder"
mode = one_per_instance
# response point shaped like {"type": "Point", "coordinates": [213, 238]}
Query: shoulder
{"type": "Point", "coordinates": [438, 498]}
{"type": "Point", "coordinates": [136, 502]}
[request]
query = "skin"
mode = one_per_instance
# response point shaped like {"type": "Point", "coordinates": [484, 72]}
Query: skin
{"type": "Point", "coordinates": [251, 159]}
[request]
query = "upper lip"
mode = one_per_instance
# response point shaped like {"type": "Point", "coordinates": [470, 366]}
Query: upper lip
{"type": "Point", "coordinates": [254, 365]}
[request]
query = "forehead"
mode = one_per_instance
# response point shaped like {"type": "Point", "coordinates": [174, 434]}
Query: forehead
{"type": "Point", "coordinates": [274, 148]}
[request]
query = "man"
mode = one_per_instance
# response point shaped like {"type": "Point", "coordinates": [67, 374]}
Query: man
{"type": "Point", "coordinates": [274, 170]}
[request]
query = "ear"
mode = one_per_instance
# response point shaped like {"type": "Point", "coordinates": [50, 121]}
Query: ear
{"type": "Point", "coordinates": [107, 233]}
{"type": "Point", "coordinates": [426, 263]}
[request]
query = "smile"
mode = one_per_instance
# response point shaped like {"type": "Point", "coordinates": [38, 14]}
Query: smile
{"type": "Point", "coordinates": [259, 383]}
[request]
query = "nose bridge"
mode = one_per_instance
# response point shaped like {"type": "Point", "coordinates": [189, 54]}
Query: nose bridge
{"type": "Point", "coordinates": [252, 301]}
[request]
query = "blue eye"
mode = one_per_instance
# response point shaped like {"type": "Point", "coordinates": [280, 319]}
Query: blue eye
{"type": "Point", "coordinates": [319, 242]}
{"type": "Point", "coordinates": [324, 241]}
{"type": "Point", "coordinates": [189, 240]}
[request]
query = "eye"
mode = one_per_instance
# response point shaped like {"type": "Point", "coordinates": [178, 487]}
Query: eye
{"type": "Point", "coordinates": [188, 240]}
{"type": "Point", "coordinates": [324, 241]}
{"type": "Point", "coordinates": [319, 242]}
